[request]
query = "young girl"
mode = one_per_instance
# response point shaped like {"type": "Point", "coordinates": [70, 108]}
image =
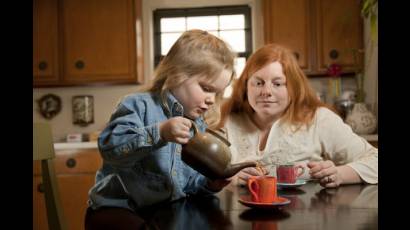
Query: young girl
{"type": "Point", "coordinates": [141, 145]}
{"type": "Point", "coordinates": [274, 116]}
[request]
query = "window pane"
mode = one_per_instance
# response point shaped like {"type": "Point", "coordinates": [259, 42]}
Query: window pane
{"type": "Point", "coordinates": [235, 38]}
{"type": "Point", "coordinates": [214, 32]}
{"type": "Point", "coordinates": [172, 24]}
{"type": "Point", "coordinates": [232, 21]}
{"type": "Point", "coordinates": [167, 40]}
{"type": "Point", "coordinates": [239, 65]}
{"type": "Point", "coordinates": [228, 91]}
{"type": "Point", "coordinates": [203, 23]}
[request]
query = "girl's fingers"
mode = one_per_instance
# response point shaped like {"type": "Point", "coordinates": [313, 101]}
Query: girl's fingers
{"type": "Point", "coordinates": [181, 140]}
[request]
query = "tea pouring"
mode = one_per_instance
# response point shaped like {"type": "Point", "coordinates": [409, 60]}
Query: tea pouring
{"type": "Point", "coordinates": [209, 154]}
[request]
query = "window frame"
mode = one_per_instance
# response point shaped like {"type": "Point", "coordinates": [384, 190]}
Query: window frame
{"type": "Point", "coordinates": [158, 14]}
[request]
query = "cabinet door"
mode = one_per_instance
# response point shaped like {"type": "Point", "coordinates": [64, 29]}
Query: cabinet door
{"type": "Point", "coordinates": [74, 195]}
{"type": "Point", "coordinates": [39, 206]}
{"type": "Point", "coordinates": [99, 41]}
{"type": "Point", "coordinates": [339, 30]}
{"type": "Point", "coordinates": [287, 22]}
{"type": "Point", "coordinates": [45, 42]}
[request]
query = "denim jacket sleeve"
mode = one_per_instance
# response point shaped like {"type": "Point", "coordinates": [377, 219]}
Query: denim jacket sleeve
{"type": "Point", "coordinates": [128, 136]}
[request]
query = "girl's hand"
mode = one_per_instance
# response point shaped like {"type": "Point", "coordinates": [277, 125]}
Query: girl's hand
{"type": "Point", "coordinates": [326, 172]}
{"type": "Point", "coordinates": [218, 184]}
{"type": "Point", "coordinates": [245, 173]}
{"type": "Point", "coordinates": [176, 130]}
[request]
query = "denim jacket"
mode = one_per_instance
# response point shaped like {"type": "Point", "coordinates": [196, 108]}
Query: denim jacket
{"type": "Point", "coordinates": [139, 168]}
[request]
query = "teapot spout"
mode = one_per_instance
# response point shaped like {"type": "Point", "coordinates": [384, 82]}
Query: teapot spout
{"type": "Point", "coordinates": [233, 169]}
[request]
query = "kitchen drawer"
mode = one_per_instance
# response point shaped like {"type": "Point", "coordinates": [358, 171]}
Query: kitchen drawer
{"type": "Point", "coordinates": [73, 161]}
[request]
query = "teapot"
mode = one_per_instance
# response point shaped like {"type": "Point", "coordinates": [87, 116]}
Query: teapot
{"type": "Point", "coordinates": [209, 154]}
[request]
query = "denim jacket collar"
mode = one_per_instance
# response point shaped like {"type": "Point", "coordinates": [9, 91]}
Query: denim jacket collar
{"type": "Point", "coordinates": [177, 109]}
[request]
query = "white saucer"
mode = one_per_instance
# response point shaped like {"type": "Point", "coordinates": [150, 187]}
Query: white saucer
{"type": "Point", "coordinates": [298, 183]}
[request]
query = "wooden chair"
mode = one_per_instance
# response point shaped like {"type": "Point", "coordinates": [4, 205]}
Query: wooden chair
{"type": "Point", "coordinates": [43, 150]}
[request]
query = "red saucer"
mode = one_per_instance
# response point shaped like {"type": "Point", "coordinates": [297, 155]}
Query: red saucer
{"type": "Point", "coordinates": [247, 201]}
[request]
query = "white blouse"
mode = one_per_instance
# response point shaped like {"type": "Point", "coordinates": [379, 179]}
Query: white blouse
{"type": "Point", "coordinates": [328, 138]}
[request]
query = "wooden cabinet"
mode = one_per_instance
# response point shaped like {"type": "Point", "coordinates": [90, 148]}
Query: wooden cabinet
{"type": "Point", "coordinates": [45, 42]}
{"type": "Point", "coordinates": [75, 171]}
{"type": "Point", "coordinates": [339, 29]}
{"type": "Point", "coordinates": [319, 32]}
{"type": "Point", "coordinates": [94, 41]}
{"type": "Point", "coordinates": [287, 22]}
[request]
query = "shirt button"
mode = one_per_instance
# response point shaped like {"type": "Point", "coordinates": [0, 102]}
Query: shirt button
{"type": "Point", "coordinates": [125, 150]}
{"type": "Point", "coordinates": [178, 108]}
{"type": "Point", "coordinates": [149, 140]}
{"type": "Point", "coordinates": [174, 173]}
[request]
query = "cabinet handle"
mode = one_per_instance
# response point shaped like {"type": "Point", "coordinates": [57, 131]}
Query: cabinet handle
{"type": "Point", "coordinates": [79, 64]}
{"type": "Point", "coordinates": [70, 163]}
{"type": "Point", "coordinates": [333, 54]}
{"type": "Point", "coordinates": [42, 65]}
{"type": "Point", "coordinates": [40, 188]}
{"type": "Point", "coordinates": [296, 55]}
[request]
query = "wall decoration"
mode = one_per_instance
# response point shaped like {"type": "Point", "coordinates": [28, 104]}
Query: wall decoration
{"type": "Point", "coordinates": [83, 110]}
{"type": "Point", "coordinates": [49, 105]}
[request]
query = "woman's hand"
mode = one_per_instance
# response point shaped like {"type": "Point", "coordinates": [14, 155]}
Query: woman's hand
{"type": "Point", "coordinates": [175, 129]}
{"type": "Point", "coordinates": [218, 184]}
{"type": "Point", "coordinates": [245, 173]}
{"type": "Point", "coordinates": [326, 172]}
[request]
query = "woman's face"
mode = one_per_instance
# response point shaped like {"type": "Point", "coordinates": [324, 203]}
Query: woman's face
{"type": "Point", "coordinates": [197, 94]}
{"type": "Point", "coordinates": [267, 92]}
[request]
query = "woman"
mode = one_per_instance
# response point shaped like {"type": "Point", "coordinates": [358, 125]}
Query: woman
{"type": "Point", "coordinates": [275, 117]}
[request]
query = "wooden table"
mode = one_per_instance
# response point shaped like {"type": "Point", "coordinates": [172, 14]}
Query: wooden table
{"type": "Point", "coordinates": [312, 207]}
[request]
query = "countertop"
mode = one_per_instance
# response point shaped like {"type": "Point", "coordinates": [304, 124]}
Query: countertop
{"type": "Point", "coordinates": [79, 145]}
{"type": "Point", "coordinates": [91, 145]}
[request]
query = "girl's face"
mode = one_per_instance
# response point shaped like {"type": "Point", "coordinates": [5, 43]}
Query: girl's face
{"type": "Point", "coordinates": [197, 94]}
{"type": "Point", "coordinates": [267, 92]}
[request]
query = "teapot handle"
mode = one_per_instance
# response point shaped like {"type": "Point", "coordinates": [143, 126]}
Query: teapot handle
{"type": "Point", "coordinates": [195, 127]}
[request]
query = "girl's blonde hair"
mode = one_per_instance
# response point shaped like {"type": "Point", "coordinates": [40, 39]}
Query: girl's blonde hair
{"type": "Point", "coordinates": [303, 99]}
{"type": "Point", "coordinates": [195, 53]}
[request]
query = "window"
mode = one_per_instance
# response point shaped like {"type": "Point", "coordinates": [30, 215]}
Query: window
{"type": "Point", "coordinates": [230, 23]}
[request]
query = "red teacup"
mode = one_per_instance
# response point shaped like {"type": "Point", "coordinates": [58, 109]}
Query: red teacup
{"type": "Point", "coordinates": [262, 188]}
{"type": "Point", "coordinates": [288, 173]}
